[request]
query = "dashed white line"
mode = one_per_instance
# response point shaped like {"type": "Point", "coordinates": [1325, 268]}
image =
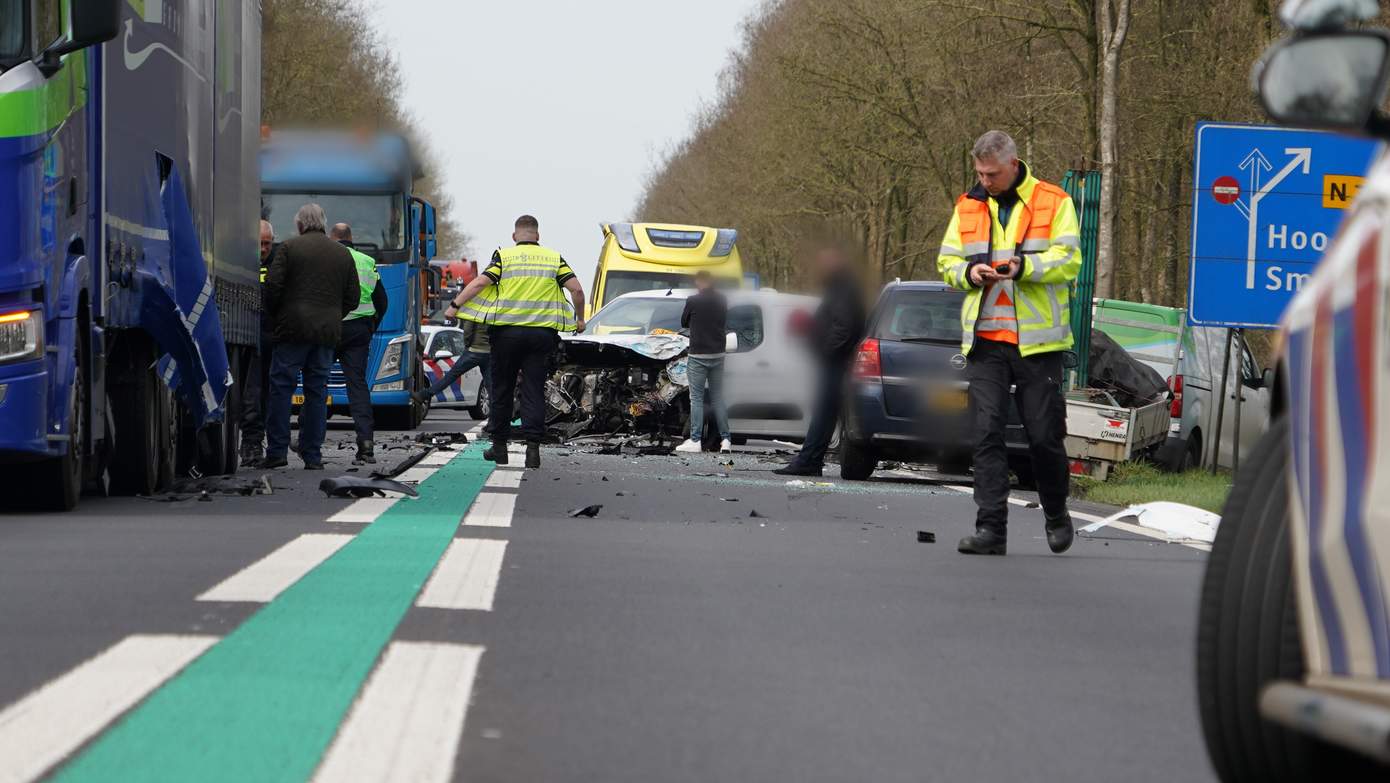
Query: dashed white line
{"type": "Point", "coordinates": [417, 474]}
{"type": "Point", "coordinates": [408, 721]}
{"type": "Point", "coordinates": [491, 509]}
{"type": "Point", "coordinates": [44, 727]}
{"type": "Point", "coordinates": [365, 510]}
{"type": "Point", "coordinates": [504, 479]}
{"type": "Point", "coordinates": [271, 575]}
{"type": "Point", "coordinates": [466, 577]}
{"type": "Point", "coordinates": [438, 458]}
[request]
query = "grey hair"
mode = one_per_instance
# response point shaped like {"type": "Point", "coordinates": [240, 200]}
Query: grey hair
{"type": "Point", "coordinates": [995, 145]}
{"type": "Point", "coordinates": [267, 224]}
{"type": "Point", "coordinates": [310, 217]}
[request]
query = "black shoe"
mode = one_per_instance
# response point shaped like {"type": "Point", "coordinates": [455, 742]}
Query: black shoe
{"type": "Point", "coordinates": [251, 453]}
{"type": "Point", "coordinates": [365, 453]}
{"type": "Point", "coordinates": [984, 542]}
{"type": "Point", "coordinates": [313, 466]}
{"type": "Point", "coordinates": [496, 453]}
{"type": "Point", "coordinates": [273, 462]}
{"type": "Point", "coordinates": [797, 469]}
{"type": "Point", "coordinates": [533, 455]}
{"type": "Point", "coordinates": [1060, 533]}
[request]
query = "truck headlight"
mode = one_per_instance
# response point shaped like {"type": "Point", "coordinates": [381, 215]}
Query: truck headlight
{"type": "Point", "coordinates": [21, 336]}
{"type": "Point", "coordinates": [393, 358]}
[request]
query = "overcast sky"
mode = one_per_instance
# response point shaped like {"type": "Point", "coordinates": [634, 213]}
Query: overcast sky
{"type": "Point", "coordinates": [555, 107]}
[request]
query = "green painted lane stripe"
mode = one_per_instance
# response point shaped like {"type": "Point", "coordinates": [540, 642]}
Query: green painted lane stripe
{"type": "Point", "coordinates": [264, 703]}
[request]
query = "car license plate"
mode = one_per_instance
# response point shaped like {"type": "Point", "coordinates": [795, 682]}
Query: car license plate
{"type": "Point", "coordinates": [298, 399]}
{"type": "Point", "coordinates": [948, 400]}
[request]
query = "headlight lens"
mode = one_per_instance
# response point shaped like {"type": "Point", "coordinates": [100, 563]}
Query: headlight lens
{"type": "Point", "coordinates": [724, 243]}
{"type": "Point", "coordinates": [21, 336]}
{"type": "Point", "coordinates": [627, 238]}
{"type": "Point", "coordinates": [393, 358]}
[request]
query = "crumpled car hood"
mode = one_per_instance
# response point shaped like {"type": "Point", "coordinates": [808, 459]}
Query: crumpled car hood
{"type": "Point", "coordinates": [618, 348]}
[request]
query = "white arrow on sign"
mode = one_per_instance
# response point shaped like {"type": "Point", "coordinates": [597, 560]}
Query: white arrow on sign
{"type": "Point", "coordinates": [1302, 157]}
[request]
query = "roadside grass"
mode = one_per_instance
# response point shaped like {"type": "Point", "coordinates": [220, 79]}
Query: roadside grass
{"type": "Point", "coordinates": [1138, 482]}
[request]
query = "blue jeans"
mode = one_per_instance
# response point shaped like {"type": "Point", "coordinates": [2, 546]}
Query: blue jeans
{"type": "Point", "coordinates": [699, 371]}
{"type": "Point", "coordinates": [289, 361]}
{"type": "Point", "coordinates": [462, 365]}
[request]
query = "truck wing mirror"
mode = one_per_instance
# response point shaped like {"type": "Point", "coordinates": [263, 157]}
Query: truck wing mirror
{"type": "Point", "coordinates": [93, 22]}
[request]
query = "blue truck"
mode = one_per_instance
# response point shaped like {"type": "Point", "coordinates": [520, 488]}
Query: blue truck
{"type": "Point", "coordinates": [367, 182]}
{"type": "Point", "coordinates": [129, 295]}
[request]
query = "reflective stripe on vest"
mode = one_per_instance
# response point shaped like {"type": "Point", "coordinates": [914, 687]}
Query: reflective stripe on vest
{"type": "Point", "coordinates": [528, 291]}
{"type": "Point", "coordinates": [479, 308]}
{"type": "Point", "coordinates": [367, 278]}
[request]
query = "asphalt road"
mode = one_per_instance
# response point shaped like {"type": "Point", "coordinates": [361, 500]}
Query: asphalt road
{"type": "Point", "coordinates": [672, 637]}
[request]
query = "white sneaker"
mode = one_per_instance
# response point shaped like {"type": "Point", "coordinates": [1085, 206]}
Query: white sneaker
{"type": "Point", "coordinates": [689, 447]}
{"type": "Point", "coordinates": [725, 446]}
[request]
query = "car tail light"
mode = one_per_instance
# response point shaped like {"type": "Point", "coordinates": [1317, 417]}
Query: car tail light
{"type": "Point", "coordinates": [867, 363]}
{"type": "Point", "coordinates": [1175, 385]}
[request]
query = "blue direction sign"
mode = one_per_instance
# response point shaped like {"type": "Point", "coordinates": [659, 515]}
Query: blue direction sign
{"type": "Point", "coordinates": [1266, 203]}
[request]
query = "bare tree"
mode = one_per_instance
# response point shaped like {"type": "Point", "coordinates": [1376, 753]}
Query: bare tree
{"type": "Point", "coordinates": [1114, 28]}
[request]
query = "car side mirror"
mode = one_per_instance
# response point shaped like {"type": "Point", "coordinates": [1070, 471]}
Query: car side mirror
{"type": "Point", "coordinates": [1264, 381]}
{"type": "Point", "coordinates": [93, 22]}
{"type": "Point", "coordinates": [1333, 80]}
{"type": "Point", "coordinates": [730, 342]}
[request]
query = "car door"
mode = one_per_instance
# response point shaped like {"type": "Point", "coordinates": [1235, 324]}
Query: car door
{"type": "Point", "coordinates": [445, 347]}
{"type": "Point", "coordinates": [768, 376]}
{"type": "Point", "coordinates": [1243, 379]}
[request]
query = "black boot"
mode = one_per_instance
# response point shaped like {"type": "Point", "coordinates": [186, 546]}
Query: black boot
{"type": "Point", "coordinates": [1060, 533]}
{"type": "Point", "coordinates": [984, 542]}
{"type": "Point", "coordinates": [496, 453]}
{"type": "Point", "coordinates": [366, 453]}
{"type": "Point", "coordinates": [797, 469]}
{"type": "Point", "coordinates": [533, 455]}
{"type": "Point", "coordinates": [251, 454]}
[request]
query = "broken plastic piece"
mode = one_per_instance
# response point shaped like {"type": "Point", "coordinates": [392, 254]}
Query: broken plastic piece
{"type": "Point", "coordinates": [356, 487]}
{"type": "Point", "coordinates": [755, 515]}
{"type": "Point", "coordinates": [587, 511]}
{"type": "Point", "coordinates": [926, 537]}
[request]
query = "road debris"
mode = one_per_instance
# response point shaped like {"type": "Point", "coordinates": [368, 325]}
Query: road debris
{"type": "Point", "coordinates": [755, 515]}
{"type": "Point", "coordinates": [587, 511]}
{"type": "Point", "coordinates": [1175, 523]}
{"type": "Point", "coordinates": [356, 487]}
{"type": "Point", "coordinates": [729, 500]}
{"type": "Point", "coordinates": [926, 537]}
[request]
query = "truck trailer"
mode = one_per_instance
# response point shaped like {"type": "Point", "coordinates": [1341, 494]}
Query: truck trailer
{"type": "Point", "coordinates": [129, 293]}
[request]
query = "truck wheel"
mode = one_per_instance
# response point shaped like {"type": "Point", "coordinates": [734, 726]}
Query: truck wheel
{"type": "Point", "coordinates": [484, 407]}
{"type": "Point", "coordinates": [60, 480]}
{"type": "Point", "coordinates": [857, 460]}
{"type": "Point", "coordinates": [217, 443]}
{"type": "Point", "coordinates": [137, 453]}
{"type": "Point", "coordinates": [1247, 635]}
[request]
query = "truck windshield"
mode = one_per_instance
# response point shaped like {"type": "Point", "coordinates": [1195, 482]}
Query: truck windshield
{"type": "Point", "coordinates": [12, 32]}
{"type": "Point", "coordinates": [377, 219]}
{"type": "Point", "coordinates": [921, 316]}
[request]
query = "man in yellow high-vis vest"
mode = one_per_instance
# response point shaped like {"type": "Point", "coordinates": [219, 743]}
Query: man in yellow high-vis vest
{"type": "Point", "coordinates": [1013, 244]}
{"type": "Point", "coordinates": [356, 343]}
{"type": "Point", "coordinates": [525, 317]}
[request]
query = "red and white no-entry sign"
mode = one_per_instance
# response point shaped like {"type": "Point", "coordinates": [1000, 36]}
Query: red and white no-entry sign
{"type": "Point", "coordinates": [1225, 190]}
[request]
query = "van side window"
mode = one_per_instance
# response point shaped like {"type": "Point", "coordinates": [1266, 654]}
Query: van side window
{"type": "Point", "coordinates": [746, 321]}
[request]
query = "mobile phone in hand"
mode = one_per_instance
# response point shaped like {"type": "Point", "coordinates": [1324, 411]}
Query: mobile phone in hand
{"type": "Point", "coordinates": [1002, 268]}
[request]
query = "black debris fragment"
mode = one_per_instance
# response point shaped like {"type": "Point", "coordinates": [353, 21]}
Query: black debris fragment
{"type": "Point", "coordinates": [755, 515]}
{"type": "Point", "coordinates": [402, 466]}
{"type": "Point", "coordinates": [729, 500]}
{"type": "Point", "coordinates": [587, 511]}
{"type": "Point", "coordinates": [1031, 504]}
{"type": "Point", "coordinates": [441, 438]}
{"type": "Point", "coordinates": [712, 475]}
{"type": "Point", "coordinates": [926, 537]}
{"type": "Point", "coordinates": [355, 487]}
{"type": "Point", "coordinates": [604, 478]}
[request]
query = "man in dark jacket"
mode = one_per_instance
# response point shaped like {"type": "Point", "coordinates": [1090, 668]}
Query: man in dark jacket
{"type": "Point", "coordinates": [837, 330]}
{"type": "Point", "coordinates": [706, 316]}
{"type": "Point", "coordinates": [257, 389]}
{"type": "Point", "coordinates": [310, 287]}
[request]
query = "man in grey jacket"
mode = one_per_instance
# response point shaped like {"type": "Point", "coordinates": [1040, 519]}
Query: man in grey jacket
{"type": "Point", "coordinates": [310, 287]}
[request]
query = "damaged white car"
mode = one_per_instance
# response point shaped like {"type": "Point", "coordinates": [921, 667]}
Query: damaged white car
{"type": "Point", "coordinates": [626, 375]}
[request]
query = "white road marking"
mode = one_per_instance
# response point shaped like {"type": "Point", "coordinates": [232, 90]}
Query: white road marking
{"type": "Point", "coordinates": [271, 575]}
{"type": "Point", "coordinates": [504, 479]}
{"type": "Point", "coordinates": [491, 509]}
{"type": "Point", "coordinates": [365, 510]}
{"type": "Point", "coordinates": [466, 577]}
{"type": "Point", "coordinates": [46, 726]}
{"type": "Point", "coordinates": [407, 723]}
{"type": "Point", "coordinates": [416, 474]}
{"type": "Point", "coordinates": [438, 457]}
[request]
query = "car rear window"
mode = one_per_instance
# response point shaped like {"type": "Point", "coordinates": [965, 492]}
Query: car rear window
{"type": "Point", "coordinates": [920, 316]}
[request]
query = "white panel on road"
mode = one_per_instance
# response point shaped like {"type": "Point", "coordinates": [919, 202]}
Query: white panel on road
{"type": "Point", "coordinates": [466, 577]}
{"type": "Point", "coordinates": [504, 479]}
{"type": "Point", "coordinates": [417, 474]}
{"type": "Point", "coordinates": [491, 509]}
{"type": "Point", "coordinates": [365, 510]}
{"type": "Point", "coordinates": [46, 726]}
{"type": "Point", "coordinates": [407, 723]}
{"type": "Point", "coordinates": [438, 457]}
{"type": "Point", "coordinates": [268, 577]}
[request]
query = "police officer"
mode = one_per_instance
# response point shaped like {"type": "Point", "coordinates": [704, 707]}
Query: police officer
{"type": "Point", "coordinates": [1013, 244]}
{"type": "Point", "coordinates": [525, 319]}
{"type": "Point", "coordinates": [358, 328]}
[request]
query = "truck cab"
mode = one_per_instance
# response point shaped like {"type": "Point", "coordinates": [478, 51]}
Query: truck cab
{"type": "Point", "coordinates": [366, 182]}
